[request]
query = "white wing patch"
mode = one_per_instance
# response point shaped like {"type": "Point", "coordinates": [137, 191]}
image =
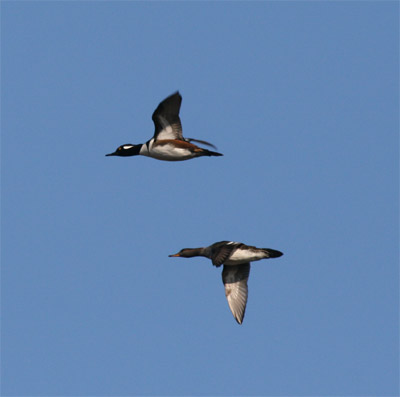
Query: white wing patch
{"type": "Point", "coordinates": [167, 132]}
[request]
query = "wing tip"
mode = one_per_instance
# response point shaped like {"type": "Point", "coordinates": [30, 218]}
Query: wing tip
{"type": "Point", "coordinates": [239, 320]}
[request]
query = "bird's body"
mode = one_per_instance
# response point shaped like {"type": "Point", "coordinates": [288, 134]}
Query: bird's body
{"type": "Point", "coordinates": [236, 258]}
{"type": "Point", "coordinates": [168, 143]}
{"type": "Point", "coordinates": [171, 150]}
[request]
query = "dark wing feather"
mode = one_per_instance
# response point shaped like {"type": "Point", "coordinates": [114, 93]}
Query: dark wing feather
{"type": "Point", "coordinates": [221, 251]}
{"type": "Point", "coordinates": [236, 290]}
{"type": "Point", "coordinates": [166, 118]}
{"type": "Point", "coordinates": [202, 142]}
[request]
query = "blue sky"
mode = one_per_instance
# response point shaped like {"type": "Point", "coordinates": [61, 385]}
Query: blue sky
{"type": "Point", "coordinates": [302, 99]}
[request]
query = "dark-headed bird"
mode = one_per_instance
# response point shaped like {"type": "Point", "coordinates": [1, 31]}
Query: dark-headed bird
{"type": "Point", "coordinates": [236, 258]}
{"type": "Point", "coordinates": [168, 142]}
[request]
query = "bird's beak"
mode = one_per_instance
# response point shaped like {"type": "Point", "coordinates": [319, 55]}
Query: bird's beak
{"type": "Point", "coordinates": [174, 255]}
{"type": "Point", "coordinates": [112, 154]}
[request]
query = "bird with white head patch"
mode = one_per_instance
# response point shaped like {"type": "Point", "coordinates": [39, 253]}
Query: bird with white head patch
{"type": "Point", "coordinates": [168, 143]}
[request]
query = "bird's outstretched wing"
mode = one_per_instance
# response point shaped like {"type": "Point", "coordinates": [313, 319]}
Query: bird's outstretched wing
{"type": "Point", "coordinates": [166, 118]}
{"type": "Point", "coordinates": [167, 122]}
{"type": "Point", "coordinates": [236, 291]}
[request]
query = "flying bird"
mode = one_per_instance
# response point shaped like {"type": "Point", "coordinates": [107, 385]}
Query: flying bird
{"type": "Point", "coordinates": [168, 142]}
{"type": "Point", "coordinates": [236, 258]}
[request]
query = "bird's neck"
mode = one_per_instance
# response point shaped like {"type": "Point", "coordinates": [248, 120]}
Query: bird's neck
{"type": "Point", "coordinates": [191, 252]}
{"type": "Point", "coordinates": [133, 151]}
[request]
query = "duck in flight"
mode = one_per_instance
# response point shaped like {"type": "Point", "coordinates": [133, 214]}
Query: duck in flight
{"type": "Point", "coordinates": [236, 258]}
{"type": "Point", "coordinates": [168, 142]}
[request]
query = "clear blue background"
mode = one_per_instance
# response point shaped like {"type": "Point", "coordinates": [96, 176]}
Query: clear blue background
{"type": "Point", "coordinates": [302, 99]}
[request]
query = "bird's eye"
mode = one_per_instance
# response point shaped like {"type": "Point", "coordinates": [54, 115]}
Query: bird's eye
{"type": "Point", "coordinates": [120, 148]}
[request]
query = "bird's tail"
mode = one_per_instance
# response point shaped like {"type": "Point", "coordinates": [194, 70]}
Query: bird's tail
{"type": "Point", "coordinates": [206, 152]}
{"type": "Point", "coordinates": [272, 253]}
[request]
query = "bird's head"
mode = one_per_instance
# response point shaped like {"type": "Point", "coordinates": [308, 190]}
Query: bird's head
{"type": "Point", "coordinates": [126, 150]}
{"type": "Point", "coordinates": [186, 253]}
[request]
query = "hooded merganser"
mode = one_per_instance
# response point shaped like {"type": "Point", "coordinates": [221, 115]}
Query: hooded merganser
{"type": "Point", "coordinates": [167, 143]}
{"type": "Point", "coordinates": [236, 258]}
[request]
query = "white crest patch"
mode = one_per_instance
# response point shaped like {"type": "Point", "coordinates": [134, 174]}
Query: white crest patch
{"type": "Point", "coordinates": [127, 146]}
